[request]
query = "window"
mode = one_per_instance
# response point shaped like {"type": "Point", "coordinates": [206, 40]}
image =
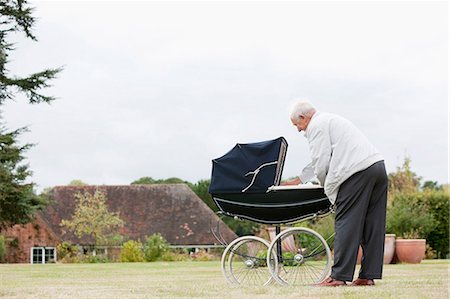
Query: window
{"type": "Point", "coordinates": [43, 255]}
{"type": "Point", "coordinates": [36, 253]}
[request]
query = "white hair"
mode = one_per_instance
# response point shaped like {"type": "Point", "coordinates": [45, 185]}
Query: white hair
{"type": "Point", "coordinates": [302, 108]}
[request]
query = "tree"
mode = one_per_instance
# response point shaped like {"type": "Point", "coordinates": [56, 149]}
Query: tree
{"type": "Point", "coordinates": [432, 185]}
{"type": "Point", "coordinates": [92, 218]}
{"type": "Point", "coordinates": [77, 183]}
{"type": "Point", "coordinates": [17, 199]}
{"type": "Point", "coordinates": [404, 180]}
{"type": "Point", "coordinates": [15, 16]}
{"type": "Point", "coordinates": [144, 181]}
{"type": "Point", "coordinates": [149, 180]}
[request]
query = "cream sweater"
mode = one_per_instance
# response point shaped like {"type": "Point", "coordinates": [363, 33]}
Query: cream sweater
{"type": "Point", "coordinates": [338, 150]}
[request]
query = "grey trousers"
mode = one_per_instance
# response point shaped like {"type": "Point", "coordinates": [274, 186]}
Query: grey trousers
{"type": "Point", "coordinates": [361, 220]}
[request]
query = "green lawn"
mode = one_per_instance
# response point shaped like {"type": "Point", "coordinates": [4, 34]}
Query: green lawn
{"type": "Point", "coordinates": [430, 279]}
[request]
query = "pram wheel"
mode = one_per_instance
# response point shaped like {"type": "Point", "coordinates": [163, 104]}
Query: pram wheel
{"type": "Point", "coordinates": [244, 261]}
{"type": "Point", "coordinates": [305, 258]}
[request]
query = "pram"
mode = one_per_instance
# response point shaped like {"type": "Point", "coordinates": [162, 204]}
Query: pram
{"type": "Point", "coordinates": [245, 184]}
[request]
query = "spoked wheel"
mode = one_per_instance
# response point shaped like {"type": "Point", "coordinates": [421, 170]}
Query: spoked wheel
{"type": "Point", "coordinates": [244, 261]}
{"type": "Point", "coordinates": [305, 258]}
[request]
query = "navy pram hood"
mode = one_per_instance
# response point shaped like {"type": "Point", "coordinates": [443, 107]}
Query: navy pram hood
{"type": "Point", "coordinates": [250, 168]}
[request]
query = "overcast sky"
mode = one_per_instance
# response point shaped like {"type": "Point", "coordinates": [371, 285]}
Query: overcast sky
{"type": "Point", "coordinates": [160, 89]}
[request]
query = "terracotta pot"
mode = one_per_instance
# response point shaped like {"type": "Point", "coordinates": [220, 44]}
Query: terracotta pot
{"type": "Point", "coordinates": [358, 259]}
{"type": "Point", "coordinates": [288, 244]}
{"type": "Point", "coordinates": [389, 249]}
{"type": "Point", "coordinates": [410, 250]}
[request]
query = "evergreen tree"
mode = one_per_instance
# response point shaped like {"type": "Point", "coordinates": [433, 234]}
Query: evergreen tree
{"type": "Point", "coordinates": [17, 199]}
{"type": "Point", "coordinates": [15, 16]}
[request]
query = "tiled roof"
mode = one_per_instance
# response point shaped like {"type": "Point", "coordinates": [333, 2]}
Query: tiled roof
{"type": "Point", "coordinates": [173, 210]}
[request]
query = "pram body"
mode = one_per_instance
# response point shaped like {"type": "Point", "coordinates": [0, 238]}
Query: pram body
{"type": "Point", "coordinates": [277, 206]}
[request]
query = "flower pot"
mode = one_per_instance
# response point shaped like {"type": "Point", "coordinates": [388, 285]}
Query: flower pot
{"type": "Point", "coordinates": [410, 250]}
{"type": "Point", "coordinates": [358, 259]}
{"type": "Point", "coordinates": [288, 244]}
{"type": "Point", "coordinates": [389, 249]}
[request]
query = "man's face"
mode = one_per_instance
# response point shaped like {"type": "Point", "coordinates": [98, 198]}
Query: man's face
{"type": "Point", "coordinates": [301, 123]}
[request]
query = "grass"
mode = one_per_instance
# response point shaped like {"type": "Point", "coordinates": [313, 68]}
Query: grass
{"type": "Point", "coordinates": [430, 279]}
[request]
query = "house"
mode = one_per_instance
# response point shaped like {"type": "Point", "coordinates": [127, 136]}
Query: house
{"type": "Point", "coordinates": [35, 239]}
{"type": "Point", "coordinates": [173, 210]}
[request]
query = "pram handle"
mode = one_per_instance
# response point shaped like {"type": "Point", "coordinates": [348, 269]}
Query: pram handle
{"type": "Point", "coordinates": [294, 187]}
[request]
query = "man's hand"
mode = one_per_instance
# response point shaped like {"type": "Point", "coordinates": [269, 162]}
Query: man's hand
{"type": "Point", "coordinates": [295, 181]}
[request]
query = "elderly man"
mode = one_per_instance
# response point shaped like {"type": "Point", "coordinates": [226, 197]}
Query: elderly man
{"type": "Point", "coordinates": [354, 177]}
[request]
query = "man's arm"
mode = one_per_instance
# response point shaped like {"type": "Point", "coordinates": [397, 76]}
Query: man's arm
{"type": "Point", "coordinates": [320, 148]}
{"type": "Point", "coordinates": [307, 173]}
{"type": "Point", "coordinates": [294, 181]}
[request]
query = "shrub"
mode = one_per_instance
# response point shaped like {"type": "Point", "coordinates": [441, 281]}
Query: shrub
{"type": "Point", "coordinates": [424, 215]}
{"type": "Point", "coordinates": [171, 256]}
{"type": "Point", "coordinates": [154, 248]}
{"type": "Point", "coordinates": [261, 257]}
{"type": "Point", "coordinates": [324, 226]}
{"type": "Point", "coordinates": [66, 252]}
{"type": "Point", "coordinates": [288, 258]}
{"type": "Point", "coordinates": [203, 256]}
{"type": "Point", "coordinates": [2, 248]}
{"type": "Point", "coordinates": [430, 253]}
{"type": "Point", "coordinates": [410, 215]}
{"type": "Point", "coordinates": [113, 240]}
{"type": "Point", "coordinates": [92, 259]}
{"type": "Point", "coordinates": [132, 252]}
{"type": "Point", "coordinates": [438, 202]}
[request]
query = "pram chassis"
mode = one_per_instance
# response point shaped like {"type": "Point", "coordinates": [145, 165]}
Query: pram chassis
{"type": "Point", "coordinates": [241, 263]}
